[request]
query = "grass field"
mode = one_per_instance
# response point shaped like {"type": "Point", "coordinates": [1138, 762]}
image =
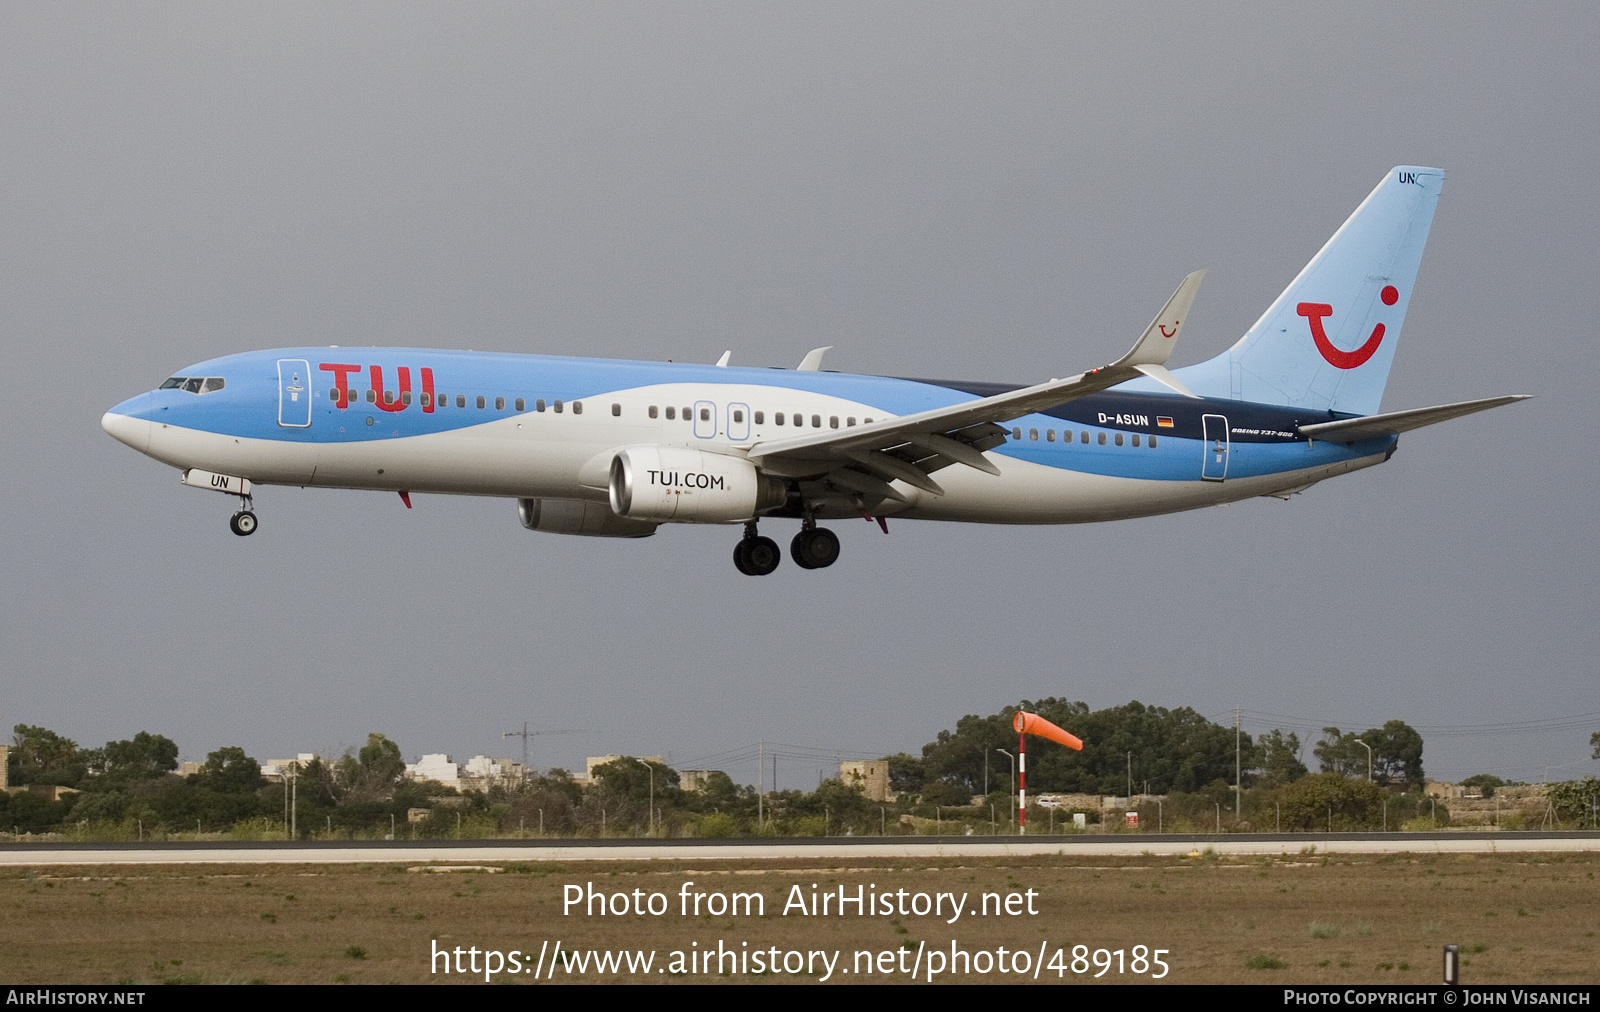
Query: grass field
{"type": "Point", "coordinates": [1299, 918]}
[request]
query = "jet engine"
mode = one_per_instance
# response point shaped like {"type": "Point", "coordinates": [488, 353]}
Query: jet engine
{"type": "Point", "coordinates": [573, 516]}
{"type": "Point", "coordinates": [670, 483]}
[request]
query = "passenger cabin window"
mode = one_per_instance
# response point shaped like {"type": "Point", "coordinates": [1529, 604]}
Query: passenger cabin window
{"type": "Point", "coordinates": [1135, 439]}
{"type": "Point", "coordinates": [405, 398]}
{"type": "Point", "coordinates": [761, 417]}
{"type": "Point", "coordinates": [672, 413]}
{"type": "Point", "coordinates": [1049, 435]}
{"type": "Point", "coordinates": [616, 411]}
{"type": "Point", "coordinates": [833, 421]}
{"type": "Point", "coordinates": [333, 393]}
{"type": "Point", "coordinates": [816, 421]}
{"type": "Point", "coordinates": [461, 400]}
{"type": "Point", "coordinates": [688, 415]}
{"type": "Point", "coordinates": [850, 422]}
{"type": "Point", "coordinates": [1102, 439]}
{"type": "Point", "coordinates": [522, 405]}
{"type": "Point", "coordinates": [1119, 439]}
{"type": "Point", "coordinates": [499, 403]}
{"type": "Point", "coordinates": [1083, 437]}
{"type": "Point", "coordinates": [1152, 441]}
{"type": "Point", "coordinates": [372, 396]}
{"type": "Point", "coordinates": [653, 411]}
{"type": "Point", "coordinates": [777, 418]}
{"type": "Point", "coordinates": [577, 407]}
{"type": "Point", "coordinates": [1016, 433]}
{"type": "Point", "coordinates": [557, 406]}
{"type": "Point", "coordinates": [538, 405]}
{"type": "Point", "coordinates": [1033, 435]}
{"type": "Point", "coordinates": [738, 415]}
{"type": "Point", "coordinates": [705, 414]}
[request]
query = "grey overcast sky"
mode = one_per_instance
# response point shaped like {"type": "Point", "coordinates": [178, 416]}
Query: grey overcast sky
{"type": "Point", "coordinates": [986, 191]}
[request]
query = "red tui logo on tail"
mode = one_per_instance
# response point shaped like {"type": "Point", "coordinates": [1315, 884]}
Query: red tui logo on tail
{"type": "Point", "coordinates": [1338, 358]}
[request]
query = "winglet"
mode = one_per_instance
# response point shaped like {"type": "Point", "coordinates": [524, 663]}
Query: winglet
{"type": "Point", "coordinates": [813, 360]}
{"type": "Point", "coordinates": [1156, 344]}
{"type": "Point", "coordinates": [722, 363]}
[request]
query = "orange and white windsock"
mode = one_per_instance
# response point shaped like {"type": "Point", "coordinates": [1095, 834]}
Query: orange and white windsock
{"type": "Point", "coordinates": [1032, 723]}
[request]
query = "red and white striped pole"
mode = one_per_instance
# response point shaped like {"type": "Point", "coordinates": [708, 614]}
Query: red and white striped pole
{"type": "Point", "coordinates": [1022, 767]}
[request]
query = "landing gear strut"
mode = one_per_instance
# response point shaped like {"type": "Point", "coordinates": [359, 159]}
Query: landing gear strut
{"type": "Point", "coordinates": [755, 555]}
{"type": "Point", "coordinates": [814, 547]}
{"type": "Point", "coordinates": [244, 521]}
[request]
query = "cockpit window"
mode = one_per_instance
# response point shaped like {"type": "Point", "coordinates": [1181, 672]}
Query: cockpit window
{"type": "Point", "coordinates": [195, 384]}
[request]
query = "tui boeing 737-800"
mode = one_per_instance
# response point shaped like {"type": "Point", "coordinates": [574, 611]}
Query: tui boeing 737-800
{"type": "Point", "coordinates": [615, 449]}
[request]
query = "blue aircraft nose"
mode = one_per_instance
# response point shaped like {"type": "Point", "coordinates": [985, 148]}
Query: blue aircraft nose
{"type": "Point", "coordinates": [129, 422]}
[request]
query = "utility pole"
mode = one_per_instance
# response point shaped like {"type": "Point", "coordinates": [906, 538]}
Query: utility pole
{"type": "Point", "coordinates": [1238, 786]}
{"type": "Point", "coordinates": [761, 783]}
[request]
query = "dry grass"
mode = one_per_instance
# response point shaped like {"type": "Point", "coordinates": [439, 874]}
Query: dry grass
{"type": "Point", "coordinates": [1303, 919]}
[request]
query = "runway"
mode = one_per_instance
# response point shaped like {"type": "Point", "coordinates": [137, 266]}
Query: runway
{"type": "Point", "coordinates": [493, 852]}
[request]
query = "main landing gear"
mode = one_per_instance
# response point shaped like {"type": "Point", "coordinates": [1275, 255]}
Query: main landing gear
{"type": "Point", "coordinates": [755, 555]}
{"type": "Point", "coordinates": [813, 548]}
{"type": "Point", "coordinates": [243, 522]}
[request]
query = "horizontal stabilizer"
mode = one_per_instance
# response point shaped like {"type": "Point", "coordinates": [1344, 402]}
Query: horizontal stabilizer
{"type": "Point", "coordinates": [1353, 430]}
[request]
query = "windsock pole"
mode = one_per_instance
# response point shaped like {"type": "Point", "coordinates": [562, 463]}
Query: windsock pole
{"type": "Point", "coordinates": [1031, 723]}
{"type": "Point", "coordinates": [1022, 805]}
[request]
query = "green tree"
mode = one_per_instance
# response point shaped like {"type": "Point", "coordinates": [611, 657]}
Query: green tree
{"type": "Point", "coordinates": [906, 773]}
{"type": "Point", "coordinates": [1594, 745]}
{"type": "Point", "coordinates": [1396, 754]}
{"type": "Point", "coordinates": [1170, 750]}
{"type": "Point", "coordinates": [1485, 782]}
{"type": "Point", "coordinates": [229, 771]}
{"type": "Point", "coordinates": [40, 756]}
{"type": "Point", "coordinates": [145, 756]}
{"type": "Point", "coordinates": [1350, 803]}
{"type": "Point", "coordinates": [1576, 799]}
{"type": "Point", "coordinates": [1277, 757]}
{"type": "Point", "coordinates": [372, 774]}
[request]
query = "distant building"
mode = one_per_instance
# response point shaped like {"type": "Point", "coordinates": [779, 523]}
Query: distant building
{"type": "Point", "coordinates": [5, 767]}
{"type": "Point", "coordinates": [278, 769]}
{"type": "Point", "coordinates": [871, 776]}
{"type": "Point", "coordinates": [485, 772]}
{"type": "Point", "coordinates": [695, 780]}
{"type": "Point", "coordinates": [189, 769]}
{"type": "Point", "coordinates": [435, 766]}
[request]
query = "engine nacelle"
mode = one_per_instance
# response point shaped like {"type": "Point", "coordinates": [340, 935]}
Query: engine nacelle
{"type": "Point", "coordinates": [573, 516]}
{"type": "Point", "coordinates": [671, 483]}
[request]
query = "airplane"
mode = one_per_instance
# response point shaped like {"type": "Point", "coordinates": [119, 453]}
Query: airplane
{"type": "Point", "coordinates": [606, 448]}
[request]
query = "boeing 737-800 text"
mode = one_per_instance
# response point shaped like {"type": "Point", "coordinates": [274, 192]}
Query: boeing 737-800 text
{"type": "Point", "coordinates": [615, 449]}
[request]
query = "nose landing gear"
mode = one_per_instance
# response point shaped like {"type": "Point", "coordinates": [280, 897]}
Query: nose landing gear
{"type": "Point", "coordinates": [243, 523]}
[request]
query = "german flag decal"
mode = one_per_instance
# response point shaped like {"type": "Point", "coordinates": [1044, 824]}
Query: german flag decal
{"type": "Point", "coordinates": [1163, 422]}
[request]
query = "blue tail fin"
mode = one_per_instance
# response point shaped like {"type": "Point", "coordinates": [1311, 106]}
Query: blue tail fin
{"type": "Point", "coordinates": [1327, 342]}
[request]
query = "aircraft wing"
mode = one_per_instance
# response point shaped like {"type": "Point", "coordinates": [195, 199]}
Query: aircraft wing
{"type": "Point", "coordinates": [1353, 430]}
{"type": "Point", "coordinates": [866, 458]}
